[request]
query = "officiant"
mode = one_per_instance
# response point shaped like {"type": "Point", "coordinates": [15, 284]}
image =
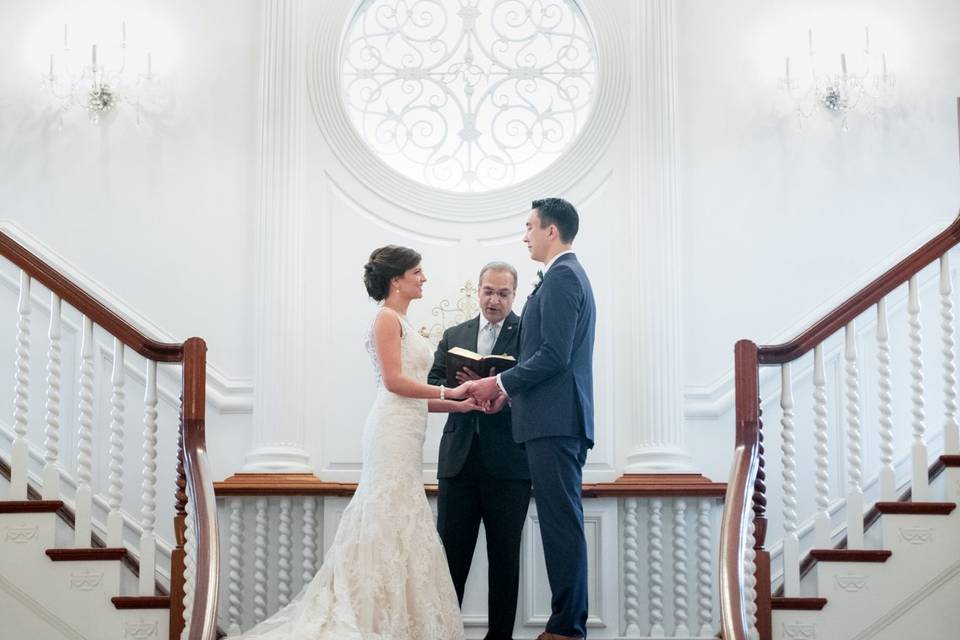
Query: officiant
{"type": "Point", "coordinates": [482, 472]}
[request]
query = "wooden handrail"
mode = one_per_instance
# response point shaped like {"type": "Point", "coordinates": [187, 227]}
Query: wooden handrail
{"type": "Point", "coordinates": [193, 475]}
{"type": "Point", "coordinates": [627, 486]}
{"type": "Point", "coordinates": [733, 533]}
{"type": "Point", "coordinates": [864, 299]}
{"type": "Point", "coordinates": [99, 313]}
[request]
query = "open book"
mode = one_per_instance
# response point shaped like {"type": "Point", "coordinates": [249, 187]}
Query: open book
{"type": "Point", "coordinates": [458, 358]}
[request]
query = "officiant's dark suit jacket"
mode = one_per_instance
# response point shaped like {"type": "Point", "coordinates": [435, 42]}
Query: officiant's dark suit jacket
{"type": "Point", "coordinates": [502, 457]}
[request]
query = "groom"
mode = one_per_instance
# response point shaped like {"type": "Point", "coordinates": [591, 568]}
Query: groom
{"type": "Point", "coordinates": [551, 395]}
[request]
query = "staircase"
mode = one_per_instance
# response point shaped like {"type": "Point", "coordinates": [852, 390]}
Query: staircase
{"type": "Point", "coordinates": [882, 535]}
{"type": "Point", "coordinates": [83, 552]}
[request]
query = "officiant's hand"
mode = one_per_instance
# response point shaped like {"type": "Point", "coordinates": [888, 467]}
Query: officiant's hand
{"type": "Point", "coordinates": [466, 374]}
{"type": "Point", "coordinates": [484, 390]}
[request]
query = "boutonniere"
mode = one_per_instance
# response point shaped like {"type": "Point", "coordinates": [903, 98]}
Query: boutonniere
{"type": "Point", "coordinates": [536, 285]}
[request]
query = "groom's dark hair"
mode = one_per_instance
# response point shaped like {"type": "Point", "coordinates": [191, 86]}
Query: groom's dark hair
{"type": "Point", "coordinates": [559, 212]}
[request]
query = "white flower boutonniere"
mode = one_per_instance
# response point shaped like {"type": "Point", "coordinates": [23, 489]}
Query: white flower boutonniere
{"type": "Point", "coordinates": [536, 285]}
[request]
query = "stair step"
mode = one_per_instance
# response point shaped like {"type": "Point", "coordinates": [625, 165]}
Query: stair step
{"type": "Point", "coordinates": [950, 461]}
{"type": "Point", "coordinates": [30, 506]}
{"type": "Point", "coordinates": [798, 604]}
{"type": "Point", "coordinates": [851, 555]}
{"type": "Point", "coordinates": [917, 508]}
{"type": "Point", "coordinates": [141, 602]}
{"type": "Point", "coordinates": [61, 555]}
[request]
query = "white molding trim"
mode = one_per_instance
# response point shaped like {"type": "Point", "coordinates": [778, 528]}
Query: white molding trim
{"type": "Point", "coordinates": [427, 205]}
{"type": "Point", "coordinates": [29, 603]}
{"type": "Point", "coordinates": [225, 394]}
{"type": "Point", "coordinates": [909, 602]}
{"type": "Point", "coordinates": [711, 401]}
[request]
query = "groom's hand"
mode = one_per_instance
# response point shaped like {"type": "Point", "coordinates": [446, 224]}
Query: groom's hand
{"type": "Point", "coordinates": [484, 390]}
{"type": "Point", "coordinates": [497, 405]}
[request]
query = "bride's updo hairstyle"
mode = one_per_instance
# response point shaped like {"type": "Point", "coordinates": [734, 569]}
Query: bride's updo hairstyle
{"type": "Point", "coordinates": [385, 264]}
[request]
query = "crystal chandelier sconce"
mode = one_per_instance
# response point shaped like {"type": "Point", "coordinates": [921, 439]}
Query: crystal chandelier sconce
{"type": "Point", "coordinates": [840, 89]}
{"type": "Point", "coordinates": [101, 81]}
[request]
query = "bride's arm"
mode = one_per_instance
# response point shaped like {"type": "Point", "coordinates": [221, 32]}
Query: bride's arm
{"type": "Point", "coordinates": [386, 333]}
{"type": "Point", "coordinates": [452, 406]}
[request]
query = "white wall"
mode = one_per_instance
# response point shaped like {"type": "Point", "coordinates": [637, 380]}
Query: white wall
{"type": "Point", "coordinates": [777, 219]}
{"type": "Point", "coordinates": [163, 217]}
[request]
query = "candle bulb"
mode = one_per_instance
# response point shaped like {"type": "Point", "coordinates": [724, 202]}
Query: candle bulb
{"type": "Point", "coordinates": [93, 56]}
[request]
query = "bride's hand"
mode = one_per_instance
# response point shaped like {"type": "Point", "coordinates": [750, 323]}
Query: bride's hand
{"type": "Point", "coordinates": [459, 392]}
{"type": "Point", "coordinates": [468, 405]}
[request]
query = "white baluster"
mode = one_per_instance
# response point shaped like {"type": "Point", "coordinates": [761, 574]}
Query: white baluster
{"type": "Point", "coordinates": [821, 449]}
{"type": "Point", "coordinates": [51, 441]}
{"type": "Point", "coordinates": [85, 439]}
{"type": "Point", "coordinates": [189, 570]}
{"type": "Point", "coordinates": [705, 569]}
{"type": "Point", "coordinates": [919, 449]}
{"type": "Point", "coordinates": [680, 568]}
{"type": "Point", "coordinates": [21, 395]}
{"type": "Point", "coordinates": [283, 552]}
{"type": "Point", "coordinates": [148, 539]}
{"type": "Point", "coordinates": [656, 568]}
{"type": "Point", "coordinates": [788, 451]}
{"type": "Point", "coordinates": [115, 493]}
{"type": "Point", "coordinates": [309, 538]}
{"type": "Point", "coordinates": [260, 563]}
{"type": "Point", "coordinates": [888, 479]}
{"type": "Point", "coordinates": [235, 585]}
{"type": "Point", "coordinates": [750, 577]}
{"type": "Point", "coordinates": [631, 566]}
{"type": "Point", "coordinates": [951, 431]}
{"type": "Point", "coordinates": [854, 446]}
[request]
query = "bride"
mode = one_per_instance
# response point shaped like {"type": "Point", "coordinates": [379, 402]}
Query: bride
{"type": "Point", "coordinates": [385, 577]}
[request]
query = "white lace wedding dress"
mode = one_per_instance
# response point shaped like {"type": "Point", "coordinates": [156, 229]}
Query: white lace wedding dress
{"type": "Point", "coordinates": [385, 577]}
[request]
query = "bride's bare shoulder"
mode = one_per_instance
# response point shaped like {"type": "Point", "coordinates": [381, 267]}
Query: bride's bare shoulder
{"type": "Point", "coordinates": [387, 322]}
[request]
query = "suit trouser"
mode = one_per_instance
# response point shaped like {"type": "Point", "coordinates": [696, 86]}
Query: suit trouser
{"type": "Point", "coordinates": [556, 468]}
{"type": "Point", "coordinates": [463, 501]}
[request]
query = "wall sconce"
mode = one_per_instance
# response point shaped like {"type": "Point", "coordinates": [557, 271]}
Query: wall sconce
{"type": "Point", "coordinates": [99, 82]}
{"type": "Point", "coordinates": [841, 90]}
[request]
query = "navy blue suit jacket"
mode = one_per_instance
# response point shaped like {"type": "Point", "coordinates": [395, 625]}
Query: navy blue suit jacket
{"type": "Point", "coordinates": [551, 387]}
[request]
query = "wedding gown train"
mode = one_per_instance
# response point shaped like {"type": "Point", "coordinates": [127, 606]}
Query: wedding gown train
{"type": "Point", "coordinates": [385, 576]}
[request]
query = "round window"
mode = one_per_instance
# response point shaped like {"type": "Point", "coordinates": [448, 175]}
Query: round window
{"type": "Point", "coordinates": [468, 95]}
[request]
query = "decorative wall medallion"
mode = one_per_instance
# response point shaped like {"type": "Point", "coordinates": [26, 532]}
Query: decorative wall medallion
{"type": "Point", "coordinates": [851, 583]}
{"type": "Point", "coordinates": [468, 96]}
{"type": "Point", "coordinates": [916, 535]}
{"type": "Point", "coordinates": [608, 90]}
{"type": "Point", "coordinates": [799, 631]}
{"type": "Point", "coordinates": [141, 630]}
{"type": "Point", "coordinates": [22, 535]}
{"type": "Point", "coordinates": [85, 580]}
